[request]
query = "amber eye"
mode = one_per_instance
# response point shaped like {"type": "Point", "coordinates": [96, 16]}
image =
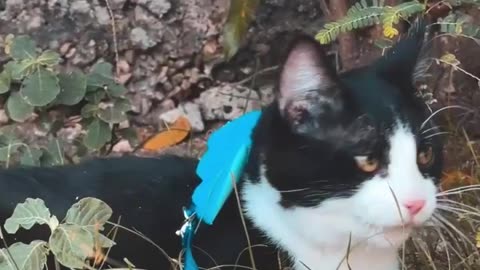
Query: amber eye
{"type": "Point", "coordinates": [425, 157]}
{"type": "Point", "coordinates": [367, 164]}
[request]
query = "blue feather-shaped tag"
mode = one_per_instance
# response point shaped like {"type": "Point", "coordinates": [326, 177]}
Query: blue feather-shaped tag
{"type": "Point", "coordinates": [223, 163]}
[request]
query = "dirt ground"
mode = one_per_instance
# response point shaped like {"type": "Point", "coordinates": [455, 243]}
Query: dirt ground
{"type": "Point", "coordinates": [171, 57]}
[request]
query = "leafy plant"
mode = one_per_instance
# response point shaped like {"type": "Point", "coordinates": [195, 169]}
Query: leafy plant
{"type": "Point", "coordinates": [358, 16]}
{"type": "Point", "coordinates": [33, 83]}
{"type": "Point", "coordinates": [73, 242]}
{"type": "Point", "coordinates": [364, 14]}
{"type": "Point", "coordinates": [13, 149]}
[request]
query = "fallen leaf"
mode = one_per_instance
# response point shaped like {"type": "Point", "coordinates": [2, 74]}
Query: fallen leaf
{"type": "Point", "coordinates": [175, 134]}
{"type": "Point", "coordinates": [455, 179]}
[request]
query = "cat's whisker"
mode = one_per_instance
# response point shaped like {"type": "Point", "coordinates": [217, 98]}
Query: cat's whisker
{"type": "Point", "coordinates": [460, 212]}
{"type": "Point", "coordinates": [457, 231]}
{"type": "Point", "coordinates": [440, 110]}
{"type": "Point", "coordinates": [294, 190]}
{"type": "Point", "coordinates": [459, 190]}
{"type": "Point", "coordinates": [448, 201]}
{"type": "Point", "coordinates": [436, 134]}
{"type": "Point", "coordinates": [430, 129]}
{"type": "Point", "coordinates": [445, 243]}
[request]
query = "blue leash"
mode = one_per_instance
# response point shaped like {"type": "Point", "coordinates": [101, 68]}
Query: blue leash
{"type": "Point", "coordinates": [221, 166]}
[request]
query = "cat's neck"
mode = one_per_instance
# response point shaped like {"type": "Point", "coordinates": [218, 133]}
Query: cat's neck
{"type": "Point", "coordinates": [317, 241]}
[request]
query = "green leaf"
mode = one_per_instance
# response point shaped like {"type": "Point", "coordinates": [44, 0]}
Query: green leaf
{"type": "Point", "coordinates": [89, 110]}
{"type": "Point", "coordinates": [18, 109]}
{"type": "Point", "coordinates": [114, 112]}
{"type": "Point", "coordinates": [115, 89]}
{"type": "Point", "coordinates": [6, 151]}
{"type": "Point", "coordinates": [101, 75]}
{"type": "Point", "coordinates": [72, 88]}
{"type": "Point", "coordinates": [26, 257]}
{"type": "Point", "coordinates": [240, 15]}
{"type": "Point", "coordinates": [95, 97]}
{"type": "Point", "coordinates": [29, 213]}
{"type": "Point", "coordinates": [48, 58]}
{"type": "Point", "coordinates": [40, 88]}
{"type": "Point", "coordinates": [18, 70]}
{"type": "Point", "coordinates": [31, 156]}
{"type": "Point", "coordinates": [98, 134]}
{"type": "Point", "coordinates": [90, 213]}
{"type": "Point", "coordinates": [71, 245]}
{"type": "Point", "coordinates": [23, 47]}
{"type": "Point", "coordinates": [5, 81]}
{"type": "Point", "coordinates": [53, 154]}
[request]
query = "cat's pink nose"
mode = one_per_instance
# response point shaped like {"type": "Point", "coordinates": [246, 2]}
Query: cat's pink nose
{"type": "Point", "coordinates": [414, 207]}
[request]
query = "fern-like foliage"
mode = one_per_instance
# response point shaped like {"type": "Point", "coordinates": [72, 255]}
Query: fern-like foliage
{"type": "Point", "coordinates": [358, 16]}
{"type": "Point", "coordinates": [457, 24]}
{"type": "Point", "coordinates": [392, 15]}
{"type": "Point", "coordinates": [460, 2]}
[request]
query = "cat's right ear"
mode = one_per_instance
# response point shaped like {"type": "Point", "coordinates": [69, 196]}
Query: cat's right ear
{"type": "Point", "coordinates": [307, 89]}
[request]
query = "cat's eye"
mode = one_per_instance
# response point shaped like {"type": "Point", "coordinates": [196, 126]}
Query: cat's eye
{"type": "Point", "coordinates": [425, 157]}
{"type": "Point", "coordinates": [367, 164]}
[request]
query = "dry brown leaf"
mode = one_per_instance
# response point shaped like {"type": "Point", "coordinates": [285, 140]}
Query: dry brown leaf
{"type": "Point", "coordinates": [175, 134]}
{"type": "Point", "coordinates": [455, 179]}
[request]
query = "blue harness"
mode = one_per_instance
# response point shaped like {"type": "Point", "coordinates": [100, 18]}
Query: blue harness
{"type": "Point", "coordinates": [219, 168]}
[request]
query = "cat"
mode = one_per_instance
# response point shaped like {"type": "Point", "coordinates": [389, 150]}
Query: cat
{"type": "Point", "coordinates": [340, 172]}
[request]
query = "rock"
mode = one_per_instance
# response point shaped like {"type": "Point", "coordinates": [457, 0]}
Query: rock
{"type": "Point", "coordinates": [190, 110]}
{"type": "Point", "coordinates": [102, 15]}
{"type": "Point", "coordinates": [140, 38]}
{"type": "Point", "coordinates": [117, 4]}
{"type": "Point", "coordinates": [266, 94]}
{"type": "Point", "coordinates": [123, 146]}
{"type": "Point", "coordinates": [157, 7]}
{"type": "Point", "coordinates": [80, 6]}
{"type": "Point", "coordinates": [227, 102]}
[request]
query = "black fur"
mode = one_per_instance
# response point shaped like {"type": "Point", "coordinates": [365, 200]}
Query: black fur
{"type": "Point", "coordinates": [305, 143]}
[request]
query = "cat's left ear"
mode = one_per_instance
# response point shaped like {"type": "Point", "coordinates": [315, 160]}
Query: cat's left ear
{"type": "Point", "coordinates": [308, 90]}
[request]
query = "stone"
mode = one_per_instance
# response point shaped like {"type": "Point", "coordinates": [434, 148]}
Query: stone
{"type": "Point", "coordinates": [140, 38]}
{"type": "Point", "coordinates": [188, 109]}
{"type": "Point", "coordinates": [227, 102]}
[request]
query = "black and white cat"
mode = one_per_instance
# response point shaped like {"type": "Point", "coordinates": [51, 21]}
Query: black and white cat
{"type": "Point", "coordinates": [338, 176]}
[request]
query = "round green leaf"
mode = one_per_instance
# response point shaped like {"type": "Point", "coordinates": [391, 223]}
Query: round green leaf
{"type": "Point", "coordinates": [26, 257]}
{"type": "Point", "coordinates": [49, 58]}
{"type": "Point", "coordinates": [5, 81]}
{"type": "Point", "coordinates": [95, 97]}
{"type": "Point", "coordinates": [114, 112]}
{"type": "Point", "coordinates": [115, 89]}
{"type": "Point", "coordinates": [71, 245]}
{"type": "Point", "coordinates": [98, 134]}
{"type": "Point", "coordinates": [40, 88]}
{"type": "Point", "coordinates": [72, 88]}
{"type": "Point", "coordinates": [18, 70]}
{"type": "Point", "coordinates": [29, 213]}
{"type": "Point", "coordinates": [53, 154]}
{"type": "Point", "coordinates": [89, 110]}
{"type": "Point", "coordinates": [89, 212]}
{"type": "Point", "coordinates": [31, 156]}
{"type": "Point", "coordinates": [100, 75]}
{"type": "Point", "coordinates": [18, 109]}
{"type": "Point", "coordinates": [23, 47]}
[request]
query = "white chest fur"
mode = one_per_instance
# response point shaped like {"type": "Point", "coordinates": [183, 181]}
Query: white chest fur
{"type": "Point", "coordinates": [319, 237]}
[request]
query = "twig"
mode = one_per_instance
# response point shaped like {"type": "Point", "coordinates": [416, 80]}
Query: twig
{"type": "Point", "coordinates": [114, 33]}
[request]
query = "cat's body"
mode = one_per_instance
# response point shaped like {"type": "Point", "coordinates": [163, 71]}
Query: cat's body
{"type": "Point", "coordinates": [341, 170]}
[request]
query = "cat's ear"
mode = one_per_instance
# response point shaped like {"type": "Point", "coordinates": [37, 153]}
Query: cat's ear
{"type": "Point", "coordinates": [307, 88]}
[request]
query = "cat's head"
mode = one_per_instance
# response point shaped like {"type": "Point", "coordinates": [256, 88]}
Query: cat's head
{"type": "Point", "coordinates": [350, 152]}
